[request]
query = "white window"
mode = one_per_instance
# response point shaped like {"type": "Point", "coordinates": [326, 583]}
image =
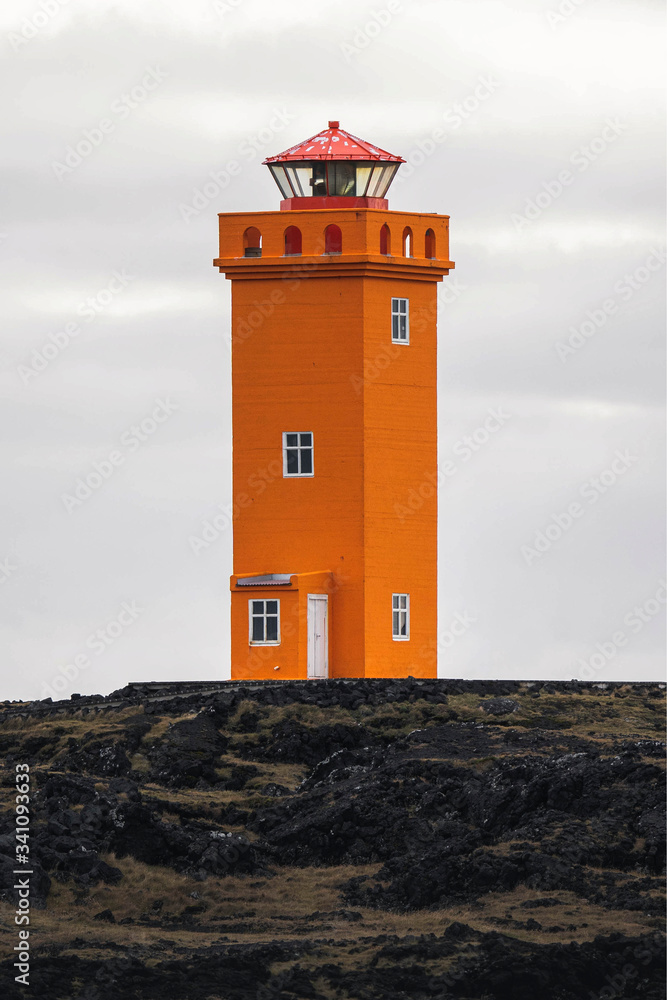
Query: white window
{"type": "Point", "coordinates": [264, 622]}
{"type": "Point", "coordinates": [298, 453]}
{"type": "Point", "coordinates": [400, 616]}
{"type": "Point", "coordinates": [400, 321]}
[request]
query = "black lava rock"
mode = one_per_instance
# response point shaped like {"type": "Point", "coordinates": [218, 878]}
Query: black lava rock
{"type": "Point", "coordinates": [499, 706]}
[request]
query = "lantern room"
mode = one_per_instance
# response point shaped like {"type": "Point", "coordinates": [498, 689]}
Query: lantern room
{"type": "Point", "coordinates": [333, 169]}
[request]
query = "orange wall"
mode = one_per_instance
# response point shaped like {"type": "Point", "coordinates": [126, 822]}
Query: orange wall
{"type": "Point", "coordinates": [257, 662]}
{"type": "Point", "coordinates": [297, 365]}
{"type": "Point", "coordinates": [312, 351]}
{"type": "Point", "coordinates": [400, 448]}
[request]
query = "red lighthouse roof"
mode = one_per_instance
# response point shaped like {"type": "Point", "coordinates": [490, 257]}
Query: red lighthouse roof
{"type": "Point", "coordinates": [333, 143]}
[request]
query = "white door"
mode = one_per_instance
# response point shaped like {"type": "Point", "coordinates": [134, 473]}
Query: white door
{"type": "Point", "coordinates": [318, 635]}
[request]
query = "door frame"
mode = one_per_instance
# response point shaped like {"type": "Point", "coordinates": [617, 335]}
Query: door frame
{"type": "Point", "coordinates": [310, 648]}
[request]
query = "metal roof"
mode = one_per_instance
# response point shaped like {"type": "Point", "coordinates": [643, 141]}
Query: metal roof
{"type": "Point", "coordinates": [271, 580]}
{"type": "Point", "coordinates": [335, 144]}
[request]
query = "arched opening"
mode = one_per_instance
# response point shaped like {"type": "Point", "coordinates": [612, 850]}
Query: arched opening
{"type": "Point", "coordinates": [429, 249]}
{"type": "Point", "coordinates": [252, 242]}
{"type": "Point", "coordinates": [333, 239]}
{"type": "Point", "coordinates": [292, 241]}
{"type": "Point", "coordinates": [407, 242]}
{"type": "Point", "coordinates": [385, 240]}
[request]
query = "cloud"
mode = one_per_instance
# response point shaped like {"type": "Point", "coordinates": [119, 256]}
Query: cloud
{"type": "Point", "coordinates": [521, 291]}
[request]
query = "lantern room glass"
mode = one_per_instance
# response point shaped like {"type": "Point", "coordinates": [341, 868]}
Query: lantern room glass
{"type": "Point", "coordinates": [363, 174]}
{"type": "Point", "coordinates": [280, 177]}
{"type": "Point", "coordinates": [381, 178]}
{"type": "Point", "coordinates": [318, 181]}
{"type": "Point", "coordinates": [341, 178]}
{"type": "Point", "coordinates": [300, 177]}
{"type": "Point", "coordinates": [333, 178]}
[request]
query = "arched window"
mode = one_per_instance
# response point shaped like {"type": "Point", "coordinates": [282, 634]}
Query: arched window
{"type": "Point", "coordinates": [385, 240]}
{"type": "Point", "coordinates": [407, 242]}
{"type": "Point", "coordinates": [333, 239]}
{"type": "Point", "coordinates": [292, 240]}
{"type": "Point", "coordinates": [429, 250]}
{"type": "Point", "coordinates": [252, 242]}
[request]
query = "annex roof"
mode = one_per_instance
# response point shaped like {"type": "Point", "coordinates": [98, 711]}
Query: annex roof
{"type": "Point", "coordinates": [271, 580]}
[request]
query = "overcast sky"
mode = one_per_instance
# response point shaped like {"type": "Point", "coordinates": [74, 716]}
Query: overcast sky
{"type": "Point", "coordinates": [549, 125]}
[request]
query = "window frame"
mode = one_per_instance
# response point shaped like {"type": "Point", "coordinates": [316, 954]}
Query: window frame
{"type": "Point", "coordinates": [299, 448]}
{"type": "Point", "coordinates": [395, 312]}
{"type": "Point", "coordinates": [264, 615]}
{"type": "Point", "coordinates": [397, 609]}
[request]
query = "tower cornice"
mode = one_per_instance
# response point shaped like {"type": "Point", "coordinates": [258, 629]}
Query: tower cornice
{"type": "Point", "coordinates": [341, 265]}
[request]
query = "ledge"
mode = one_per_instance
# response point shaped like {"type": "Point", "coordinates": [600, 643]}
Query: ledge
{"type": "Point", "coordinates": [343, 265]}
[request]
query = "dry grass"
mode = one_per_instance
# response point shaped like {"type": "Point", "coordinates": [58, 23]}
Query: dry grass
{"type": "Point", "coordinates": [599, 715]}
{"type": "Point", "coordinates": [205, 803]}
{"type": "Point", "coordinates": [140, 763]}
{"type": "Point", "coordinates": [161, 726]}
{"type": "Point", "coordinates": [626, 716]}
{"type": "Point", "coordinates": [263, 909]}
{"type": "Point", "coordinates": [623, 717]}
{"type": "Point", "coordinates": [289, 775]}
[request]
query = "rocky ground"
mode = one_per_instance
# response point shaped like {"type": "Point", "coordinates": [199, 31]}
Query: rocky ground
{"type": "Point", "coordinates": [367, 840]}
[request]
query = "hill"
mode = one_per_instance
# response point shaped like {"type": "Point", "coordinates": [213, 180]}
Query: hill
{"type": "Point", "coordinates": [361, 839]}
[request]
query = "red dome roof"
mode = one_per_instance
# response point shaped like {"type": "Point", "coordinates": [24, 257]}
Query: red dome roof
{"type": "Point", "coordinates": [334, 144]}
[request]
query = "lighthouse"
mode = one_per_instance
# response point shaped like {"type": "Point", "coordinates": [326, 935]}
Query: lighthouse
{"type": "Point", "coordinates": [334, 419]}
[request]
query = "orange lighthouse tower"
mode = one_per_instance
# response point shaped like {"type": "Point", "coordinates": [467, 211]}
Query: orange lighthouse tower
{"type": "Point", "coordinates": [334, 412]}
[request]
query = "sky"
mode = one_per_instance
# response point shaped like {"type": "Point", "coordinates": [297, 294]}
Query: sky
{"type": "Point", "coordinates": [537, 125]}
